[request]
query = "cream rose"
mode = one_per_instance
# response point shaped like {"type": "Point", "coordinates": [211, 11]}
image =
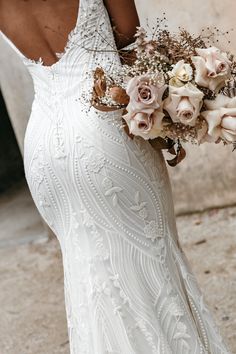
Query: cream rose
{"type": "Point", "coordinates": [184, 104]}
{"type": "Point", "coordinates": [212, 68]}
{"type": "Point", "coordinates": [221, 119]}
{"type": "Point", "coordinates": [146, 125]}
{"type": "Point", "coordinates": [145, 94]}
{"type": "Point", "coordinates": [180, 74]}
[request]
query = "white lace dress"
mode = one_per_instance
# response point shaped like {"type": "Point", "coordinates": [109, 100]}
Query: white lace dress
{"type": "Point", "coordinates": [128, 285]}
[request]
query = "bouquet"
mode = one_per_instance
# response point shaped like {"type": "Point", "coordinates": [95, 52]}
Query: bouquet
{"type": "Point", "coordinates": [178, 89]}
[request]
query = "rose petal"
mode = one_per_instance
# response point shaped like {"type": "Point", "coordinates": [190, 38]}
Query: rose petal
{"type": "Point", "coordinates": [201, 71]}
{"type": "Point", "coordinates": [229, 122]}
{"type": "Point", "coordinates": [132, 109]}
{"type": "Point", "coordinates": [217, 83]}
{"type": "Point", "coordinates": [185, 110]}
{"type": "Point", "coordinates": [221, 67]}
{"type": "Point", "coordinates": [228, 135]}
{"type": "Point", "coordinates": [157, 120]}
{"type": "Point", "coordinates": [211, 65]}
{"type": "Point", "coordinates": [185, 105]}
{"type": "Point", "coordinates": [231, 103]}
{"type": "Point", "coordinates": [220, 101]}
{"type": "Point", "coordinates": [213, 119]}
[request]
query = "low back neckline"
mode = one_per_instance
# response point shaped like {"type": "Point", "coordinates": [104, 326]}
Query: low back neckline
{"type": "Point", "coordinates": [60, 55]}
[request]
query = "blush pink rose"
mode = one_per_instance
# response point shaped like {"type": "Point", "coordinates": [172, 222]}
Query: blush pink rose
{"type": "Point", "coordinates": [221, 119]}
{"type": "Point", "coordinates": [184, 104]}
{"type": "Point", "coordinates": [145, 93]}
{"type": "Point", "coordinates": [146, 125]}
{"type": "Point", "coordinates": [212, 68]}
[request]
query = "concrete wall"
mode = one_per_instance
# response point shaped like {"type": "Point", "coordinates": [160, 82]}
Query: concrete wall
{"type": "Point", "coordinates": [193, 15]}
{"type": "Point", "coordinates": [207, 177]}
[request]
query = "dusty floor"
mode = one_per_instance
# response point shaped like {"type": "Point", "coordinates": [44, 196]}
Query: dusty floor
{"type": "Point", "coordinates": [32, 316]}
{"type": "Point", "coordinates": [19, 220]}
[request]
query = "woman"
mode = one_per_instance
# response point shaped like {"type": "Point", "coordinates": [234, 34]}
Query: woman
{"type": "Point", "coordinates": [128, 286]}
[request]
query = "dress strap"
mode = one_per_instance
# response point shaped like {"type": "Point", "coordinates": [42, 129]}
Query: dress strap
{"type": "Point", "coordinates": [79, 11]}
{"type": "Point", "coordinates": [86, 7]}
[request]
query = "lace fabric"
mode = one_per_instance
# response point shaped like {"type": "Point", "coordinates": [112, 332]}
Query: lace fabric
{"type": "Point", "coordinates": [128, 286]}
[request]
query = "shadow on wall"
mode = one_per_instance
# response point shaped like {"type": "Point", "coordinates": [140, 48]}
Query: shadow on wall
{"type": "Point", "coordinates": [11, 164]}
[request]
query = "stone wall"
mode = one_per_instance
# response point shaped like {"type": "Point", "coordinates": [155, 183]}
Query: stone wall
{"type": "Point", "coordinates": [207, 177]}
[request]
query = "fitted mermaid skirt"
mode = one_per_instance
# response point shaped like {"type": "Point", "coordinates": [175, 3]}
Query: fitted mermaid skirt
{"type": "Point", "coordinates": [128, 286]}
{"type": "Point", "coordinates": [107, 197]}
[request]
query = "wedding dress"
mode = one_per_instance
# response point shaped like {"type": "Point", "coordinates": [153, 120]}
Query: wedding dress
{"type": "Point", "coordinates": [128, 287]}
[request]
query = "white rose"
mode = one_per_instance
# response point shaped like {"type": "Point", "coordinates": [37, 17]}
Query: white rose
{"type": "Point", "coordinates": [184, 104]}
{"type": "Point", "coordinates": [181, 73]}
{"type": "Point", "coordinates": [221, 119]}
{"type": "Point", "coordinates": [146, 125]}
{"type": "Point", "coordinates": [212, 68]}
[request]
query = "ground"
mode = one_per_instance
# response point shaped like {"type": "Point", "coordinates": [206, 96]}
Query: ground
{"type": "Point", "coordinates": [31, 278]}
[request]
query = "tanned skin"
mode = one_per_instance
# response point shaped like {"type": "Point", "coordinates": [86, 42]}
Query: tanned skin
{"type": "Point", "coordinates": [39, 28]}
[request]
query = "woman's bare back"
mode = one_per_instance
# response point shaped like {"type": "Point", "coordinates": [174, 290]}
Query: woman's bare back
{"type": "Point", "coordinates": [40, 28]}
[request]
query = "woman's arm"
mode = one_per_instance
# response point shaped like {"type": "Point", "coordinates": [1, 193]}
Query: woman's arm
{"type": "Point", "coordinates": [124, 19]}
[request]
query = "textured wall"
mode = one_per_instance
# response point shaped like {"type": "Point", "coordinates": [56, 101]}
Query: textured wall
{"type": "Point", "coordinates": [193, 15]}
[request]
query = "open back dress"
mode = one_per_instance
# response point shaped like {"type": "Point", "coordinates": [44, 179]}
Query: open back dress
{"type": "Point", "coordinates": [128, 286]}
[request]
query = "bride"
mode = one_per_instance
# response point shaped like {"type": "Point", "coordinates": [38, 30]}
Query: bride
{"type": "Point", "coordinates": [107, 197]}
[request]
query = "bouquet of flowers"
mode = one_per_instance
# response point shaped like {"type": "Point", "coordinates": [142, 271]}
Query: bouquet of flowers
{"type": "Point", "coordinates": [178, 89]}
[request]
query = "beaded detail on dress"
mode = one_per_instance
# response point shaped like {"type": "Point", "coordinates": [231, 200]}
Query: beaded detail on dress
{"type": "Point", "coordinates": [128, 286]}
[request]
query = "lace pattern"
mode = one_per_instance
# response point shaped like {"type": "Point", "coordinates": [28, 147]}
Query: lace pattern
{"type": "Point", "coordinates": [128, 286]}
